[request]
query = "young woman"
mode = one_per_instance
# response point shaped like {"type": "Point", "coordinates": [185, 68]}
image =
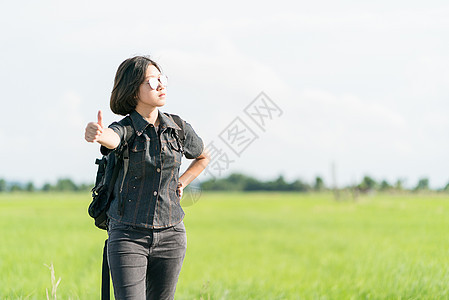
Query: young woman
{"type": "Point", "coordinates": [147, 238]}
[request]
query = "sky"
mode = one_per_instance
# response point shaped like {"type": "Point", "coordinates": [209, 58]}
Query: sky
{"type": "Point", "coordinates": [361, 86]}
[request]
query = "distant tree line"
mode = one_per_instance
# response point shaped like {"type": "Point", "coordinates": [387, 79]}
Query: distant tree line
{"type": "Point", "coordinates": [369, 184]}
{"type": "Point", "coordinates": [239, 182]}
{"type": "Point", "coordinates": [61, 185]}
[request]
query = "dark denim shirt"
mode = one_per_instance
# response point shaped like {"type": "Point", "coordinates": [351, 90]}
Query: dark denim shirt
{"type": "Point", "coordinates": [149, 191]}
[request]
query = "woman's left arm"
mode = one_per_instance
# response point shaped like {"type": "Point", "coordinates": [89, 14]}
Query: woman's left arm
{"type": "Point", "coordinates": [196, 167]}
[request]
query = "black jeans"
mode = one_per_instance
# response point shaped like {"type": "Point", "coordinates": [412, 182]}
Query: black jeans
{"type": "Point", "coordinates": [145, 263]}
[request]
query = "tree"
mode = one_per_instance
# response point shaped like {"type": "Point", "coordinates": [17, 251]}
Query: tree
{"type": "Point", "coordinates": [237, 181]}
{"type": "Point", "coordinates": [47, 187]}
{"type": "Point", "coordinates": [367, 184]}
{"type": "Point", "coordinates": [384, 185]}
{"type": "Point", "coordinates": [15, 187]}
{"type": "Point", "coordinates": [280, 184]}
{"type": "Point", "coordinates": [319, 184]}
{"type": "Point", "coordinates": [29, 187]}
{"type": "Point", "coordinates": [299, 186]}
{"type": "Point", "coordinates": [253, 184]}
{"type": "Point", "coordinates": [399, 185]}
{"type": "Point", "coordinates": [423, 184]}
{"type": "Point", "coordinates": [66, 184]}
{"type": "Point", "coordinates": [2, 185]}
{"type": "Point", "coordinates": [85, 187]}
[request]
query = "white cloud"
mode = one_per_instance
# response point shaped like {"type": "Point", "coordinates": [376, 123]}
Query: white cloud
{"type": "Point", "coordinates": [223, 69]}
{"type": "Point", "coordinates": [339, 121]}
{"type": "Point", "coordinates": [223, 79]}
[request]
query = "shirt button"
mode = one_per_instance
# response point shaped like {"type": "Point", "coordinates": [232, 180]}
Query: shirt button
{"type": "Point", "coordinates": [155, 193]}
{"type": "Point", "coordinates": [158, 170]}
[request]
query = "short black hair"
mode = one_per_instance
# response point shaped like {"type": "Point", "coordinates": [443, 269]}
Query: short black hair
{"type": "Point", "coordinates": [130, 75]}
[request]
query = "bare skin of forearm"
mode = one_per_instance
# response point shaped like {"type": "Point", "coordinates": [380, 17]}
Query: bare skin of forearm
{"type": "Point", "coordinates": [109, 139]}
{"type": "Point", "coordinates": [196, 167]}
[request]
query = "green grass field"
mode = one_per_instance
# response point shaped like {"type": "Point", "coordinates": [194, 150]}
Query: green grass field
{"type": "Point", "coordinates": [245, 246]}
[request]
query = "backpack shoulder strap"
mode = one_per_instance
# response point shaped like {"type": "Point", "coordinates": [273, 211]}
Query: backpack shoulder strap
{"type": "Point", "coordinates": [180, 123]}
{"type": "Point", "coordinates": [124, 158]}
{"type": "Point", "coordinates": [128, 128]}
{"type": "Point", "coordinates": [121, 158]}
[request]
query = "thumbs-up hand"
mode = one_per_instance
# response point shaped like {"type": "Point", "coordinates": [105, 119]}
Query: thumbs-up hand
{"type": "Point", "coordinates": [94, 129]}
{"type": "Point", "coordinates": [100, 118]}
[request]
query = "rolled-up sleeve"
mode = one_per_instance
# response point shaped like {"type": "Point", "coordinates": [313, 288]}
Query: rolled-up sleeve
{"type": "Point", "coordinates": [193, 144]}
{"type": "Point", "coordinates": [117, 129]}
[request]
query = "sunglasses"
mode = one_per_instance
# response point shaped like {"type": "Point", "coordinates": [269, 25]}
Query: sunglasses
{"type": "Point", "coordinates": [154, 82]}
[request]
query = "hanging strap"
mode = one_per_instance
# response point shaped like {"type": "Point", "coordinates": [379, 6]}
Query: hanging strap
{"type": "Point", "coordinates": [105, 279]}
{"type": "Point", "coordinates": [128, 133]}
{"type": "Point", "coordinates": [180, 134]}
{"type": "Point", "coordinates": [179, 122]}
{"type": "Point", "coordinates": [125, 171]}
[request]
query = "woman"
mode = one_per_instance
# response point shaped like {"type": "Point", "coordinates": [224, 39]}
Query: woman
{"type": "Point", "coordinates": [147, 238]}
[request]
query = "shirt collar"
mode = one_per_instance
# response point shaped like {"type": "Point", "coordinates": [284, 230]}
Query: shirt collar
{"type": "Point", "coordinates": [140, 124]}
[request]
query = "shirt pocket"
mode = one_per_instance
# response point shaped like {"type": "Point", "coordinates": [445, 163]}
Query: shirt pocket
{"type": "Point", "coordinates": [174, 150]}
{"type": "Point", "coordinates": [139, 144]}
{"type": "Point", "coordinates": [137, 151]}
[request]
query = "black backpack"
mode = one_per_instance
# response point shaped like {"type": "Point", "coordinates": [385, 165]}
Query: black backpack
{"type": "Point", "coordinates": [108, 169]}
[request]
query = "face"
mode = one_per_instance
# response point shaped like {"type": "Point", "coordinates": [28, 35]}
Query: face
{"type": "Point", "coordinates": [148, 96]}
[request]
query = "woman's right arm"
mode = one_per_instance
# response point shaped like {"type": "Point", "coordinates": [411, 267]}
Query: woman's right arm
{"type": "Point", "coordinates": [104, 136]}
